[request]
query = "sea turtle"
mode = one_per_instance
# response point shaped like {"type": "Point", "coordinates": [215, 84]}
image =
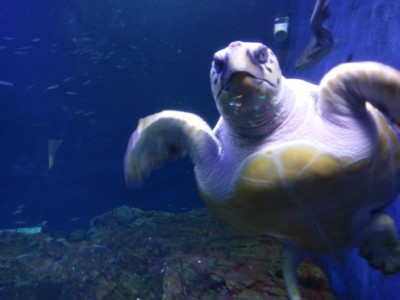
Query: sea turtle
{"type": "Point", "coordinates": [310, 165]}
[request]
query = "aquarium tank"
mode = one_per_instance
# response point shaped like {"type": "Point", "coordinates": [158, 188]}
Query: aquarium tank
{"type": "Point", "coordinates": [214, 149]}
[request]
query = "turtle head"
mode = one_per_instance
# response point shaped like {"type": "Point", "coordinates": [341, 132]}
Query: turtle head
{"type": "Point", "coordinates": [246, 82]}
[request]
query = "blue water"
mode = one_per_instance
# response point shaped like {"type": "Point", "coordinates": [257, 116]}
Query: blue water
{"type": "Point", "coordinates": [84, 72]}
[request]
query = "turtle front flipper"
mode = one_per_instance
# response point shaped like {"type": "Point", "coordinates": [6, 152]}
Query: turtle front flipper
{"type": "Point", "coordinates": [166, 135]}
{"type": "Point", "coordinates": [346, 88]}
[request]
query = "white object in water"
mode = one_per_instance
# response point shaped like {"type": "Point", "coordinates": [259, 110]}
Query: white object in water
{"type": "Point", "coordinates": [24, 230]}
{"type": "Point", "coordinates": [281, 27]}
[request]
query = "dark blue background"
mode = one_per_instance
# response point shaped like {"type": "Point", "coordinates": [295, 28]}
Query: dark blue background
{"type": "Point", "coordinates": [140, 57]}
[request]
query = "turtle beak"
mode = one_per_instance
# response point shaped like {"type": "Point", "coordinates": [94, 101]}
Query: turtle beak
{"type": "Point", "coordinates": [240, 81]}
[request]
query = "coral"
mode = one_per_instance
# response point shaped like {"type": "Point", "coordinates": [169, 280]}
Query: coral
{"type": "Point", "coordinates": [131, 254]}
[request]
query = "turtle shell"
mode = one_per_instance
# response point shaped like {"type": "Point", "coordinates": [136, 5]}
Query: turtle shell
{"type": "Point", "coordinates": [314, 200]}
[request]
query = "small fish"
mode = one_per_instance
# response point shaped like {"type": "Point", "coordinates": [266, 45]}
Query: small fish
{"type": "Point", "coordinates": [121, 67]}
{"type": "Point", "coordinates": [17, 211]}
{"type": "Point", "coordinates": [71, 93]}
{"type": "Point", "coordinates": [322, 42]}
{"type": "Point", "coordinates": [20, 222]}
{"type": "Point", "coordinates": [86, 39]}
{"type": "Point", "coordinates": [68, 78]}
{"type": "Point", "coordinates": [53, 87]}
{"type": "Point", "coordinates": [6, 83]}
{"type": "Point", "coordinates": [35, 40]}
{"type": "Point", "coordinates": [53, 146]}
{"type": "Point", "coordinates": [8, 38]}
{"type": "Point", "coordinates": [22, 256]}
{"type": "Point", "coordinates": [86, 82]}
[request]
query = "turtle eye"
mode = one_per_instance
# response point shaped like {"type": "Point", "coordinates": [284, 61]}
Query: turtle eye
{"type": "Point", "coordinates": [261, 54]}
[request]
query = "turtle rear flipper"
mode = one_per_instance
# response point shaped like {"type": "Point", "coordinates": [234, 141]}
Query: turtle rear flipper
{"type": "Point", "coordinates": [382, 248]}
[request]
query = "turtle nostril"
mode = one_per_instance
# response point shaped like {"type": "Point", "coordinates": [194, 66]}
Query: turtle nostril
{"type": "Point", "coordinates": [218, 64]}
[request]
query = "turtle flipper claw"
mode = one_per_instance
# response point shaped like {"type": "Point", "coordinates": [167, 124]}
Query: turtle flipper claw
{"type": "Point", "coordinates": [382, 248]}
{"type": "Point", "coordinates": [386, 260]}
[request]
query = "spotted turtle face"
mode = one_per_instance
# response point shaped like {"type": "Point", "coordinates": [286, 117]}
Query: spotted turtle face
{"type": "Point", "coordinates": [245, 80]}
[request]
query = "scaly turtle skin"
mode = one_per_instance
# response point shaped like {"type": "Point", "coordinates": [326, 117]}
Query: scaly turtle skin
{"type": "Point", "coordinates": [310, 165]}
